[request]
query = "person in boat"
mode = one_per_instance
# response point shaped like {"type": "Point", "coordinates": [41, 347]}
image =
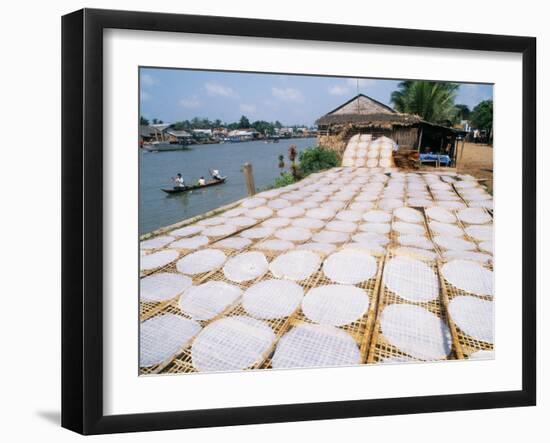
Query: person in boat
{"type": "Point", "coordinates": [216, 174]}
{"type": "Point", "coordinates": [201, 181]}
{"type": "Point", "coordinates": [178, 181]}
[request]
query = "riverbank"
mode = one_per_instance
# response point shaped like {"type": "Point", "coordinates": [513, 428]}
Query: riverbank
{"type": "Point", "coordinates": [158, 210]}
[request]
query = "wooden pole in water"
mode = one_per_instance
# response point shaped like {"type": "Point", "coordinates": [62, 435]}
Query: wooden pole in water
{"type": "Point", "coordinates": [249, 177]}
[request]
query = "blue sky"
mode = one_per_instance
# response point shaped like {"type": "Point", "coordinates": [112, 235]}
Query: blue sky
{"type": "Point", "coordinates": [176, 94]}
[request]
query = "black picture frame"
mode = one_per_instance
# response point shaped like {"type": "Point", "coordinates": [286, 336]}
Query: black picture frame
{"type": "Point", "coordinates": [82, 219]}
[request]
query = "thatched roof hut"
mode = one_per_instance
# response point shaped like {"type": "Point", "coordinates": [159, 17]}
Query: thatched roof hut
{"type": "Point", "coordinates": [365, 115]}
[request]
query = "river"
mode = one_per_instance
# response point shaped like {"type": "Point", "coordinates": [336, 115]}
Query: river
{"type": "Point", "coordinates": [158, 209]}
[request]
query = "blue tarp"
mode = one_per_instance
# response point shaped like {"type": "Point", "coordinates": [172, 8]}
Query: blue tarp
{"type": "Point", "coordinates": [443, 158]}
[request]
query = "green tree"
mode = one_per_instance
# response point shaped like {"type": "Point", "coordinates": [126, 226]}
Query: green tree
{"type": "Point", "coordinates": [462, 112]}
{"type": "Point", "coordinates": [482, 116]}
{"type": "Point", "coordinates": [143, 120]}
{"type": "Point", "coordinates": [317, 159]}
{"type": "Point", "coordinates": [433, 101]}
{"type": "Point", "coordinates": [244, 122]}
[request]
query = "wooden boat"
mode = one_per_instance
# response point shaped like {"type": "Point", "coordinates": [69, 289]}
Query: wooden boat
{"type": "Point", "coordinates": [164, 146]}
{"type": "Point", "coordinates": [178, 189]}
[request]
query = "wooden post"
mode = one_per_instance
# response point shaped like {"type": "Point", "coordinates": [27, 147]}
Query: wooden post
{"type": "Point", "coordinates": [249, 177]}
{"type": "Point", "coordinates": [419, 140]}
{"type": "Point", "coordinates": [461, 153]}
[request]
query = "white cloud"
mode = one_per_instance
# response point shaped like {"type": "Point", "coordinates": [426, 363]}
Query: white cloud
{"type": "Point", "coordinates": [338, 90]}
{"type": "Point", "coordinates": [190, 102]}
{"type": "Point", "coordinates": [216, 89]}
{"type": "Point", "coordinates": [148, 80]}
{"type": "Point", "coordinates": [145, 96]}
{"type": "Point", "coordinates": [247, 108]}
{"type": "Point", "coordinates": [287, 94]}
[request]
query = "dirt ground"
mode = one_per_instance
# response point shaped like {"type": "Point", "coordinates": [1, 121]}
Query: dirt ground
{"type": "Point", "coordinates": [477, 160]}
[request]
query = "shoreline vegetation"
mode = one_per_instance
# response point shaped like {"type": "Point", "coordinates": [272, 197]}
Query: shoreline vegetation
{"type": "Point", "coordinates": [310, 160]}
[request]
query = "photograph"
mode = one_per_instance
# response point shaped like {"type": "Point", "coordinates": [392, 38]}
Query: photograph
{"type": "Point", "coordinates": [304, 221]}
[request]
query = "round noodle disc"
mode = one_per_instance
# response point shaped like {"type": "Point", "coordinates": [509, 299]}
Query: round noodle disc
{"type": "Point", "coordinates": [350, 216]}
{"type": "Point", "coordinates": [241, 221]}
{"type": "Point", "coordinates": [473, 316]}
{"type": "Point", "coordinates": [451, 204]}
{"type": "Point", "coordinates": [291, 212]}
{"type": "Point", "coordinates": [474, 216]}
{"type": "Point", "coordinates": [219, 231]}
{"type": "Point", "coordinates": [231, 343]}
{"type": "Point", "coordinates": [469, 255]}
{"type": "Point", "coordinates": [424, 202]}
{"type": "Point", "coordinates": [156, 242]}
{"type": "Point", "coordinates": [372, 153]}
{"type": "Point", "coordinates": [256, 233]}
{"type": "Point", "coordinates": [408, 228]}
{"type": "Point", "coordinates": [162, 286]}
{"type": "Point", "coordinates": [235, 212]}
{"type": "Point", "coordinates": [308, 223]}
{"type": "Point", "coordinates": [306, 346]}
{"type": "Point", "coordinates": [415, 252]}
{"type": "Point", "coordinates": [320, 213]}
{"type": "Point", "coordinates": [480, 233]}
{"type": "Point", "coordinates": [469, 276]}
{"type": "Point", "coordinates": [295, 265]}
{"type": "Point", "coordinates": [377, 216]}
{"type": "Point", "coordinates": [211, 221]}
{"type": "Point", "coordinates": [323, 248]}
{"type": "Point", "coordinates": [190, 242]}
{"type": "Point", "coordinates": [390, 203]}
{"type": "Point", "coordinates": [350, 267]}
{"type": "Point", "coordinates": [205, 301]}
{"type": "Point", "coordinates": [335, 305]}
{"type": "Point", "coordinates": [416, 331]}
{"type": "Point", "coordinates": [162, 336]}
{"type": "Point", "coordinates": [293, 234]}
{"type": "Point", "coordinates": [341, 226]}
{"type": "Point", "coordinates": [275, 245]}
{"type": "Point", "coordinates": [332, 205]}
{"type": "Point", "coordinates": [246, 266]}
{"type": "Point", "coordinates": [309, 204]}
{"type": "Point", "coordinates": [259, 213]}
{"type": "Point", "coordinates": [361, 206]}
{"type": "Point", "coordinates": [371, 237]}
{"type": "Point", "coordinates": [330, 237]}
{"type": "Point", "coordinates": [466, 184]}
{"type": "Point", "coordinates": [157, 259]}
{"type": "Point", "coordinates": [276, 222]}
{"type": "Point", "coordinates": [409, 215]}
{"type": "Point", "coordinates": [446, 229]}
{"type": "Point", "coordinates": [385, 162]}
{"type": "Point", "coordinates": [253, 202]}
{"type": "Point", "coordinates": [186, 231]}
{"type": "Point", "coordinates": [233, 243]}
{"type": "Point", "coordinates": [379, 228]}
{"type": "Point", "coordinates": [272, 299]}
{"type": "Point", "coordinates": [201, 261]}
{"type": "Point", "coordinates": [365, 246]}
{"type": "Point", "coordinates": [416, 241]}
{"type": "Point", "coordinates": [278, 203]}
{"type": "Point", "coordinates": [411, 279]}
{"type": "Point", "coordinates": [454, 243]}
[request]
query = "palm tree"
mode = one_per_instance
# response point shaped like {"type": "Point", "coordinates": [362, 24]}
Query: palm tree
{"type": "Point", "coordinates": [433, 101]}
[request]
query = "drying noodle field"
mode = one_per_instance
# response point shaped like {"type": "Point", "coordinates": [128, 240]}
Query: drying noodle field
{"type": "Point", "coordinates": [354, 265]}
